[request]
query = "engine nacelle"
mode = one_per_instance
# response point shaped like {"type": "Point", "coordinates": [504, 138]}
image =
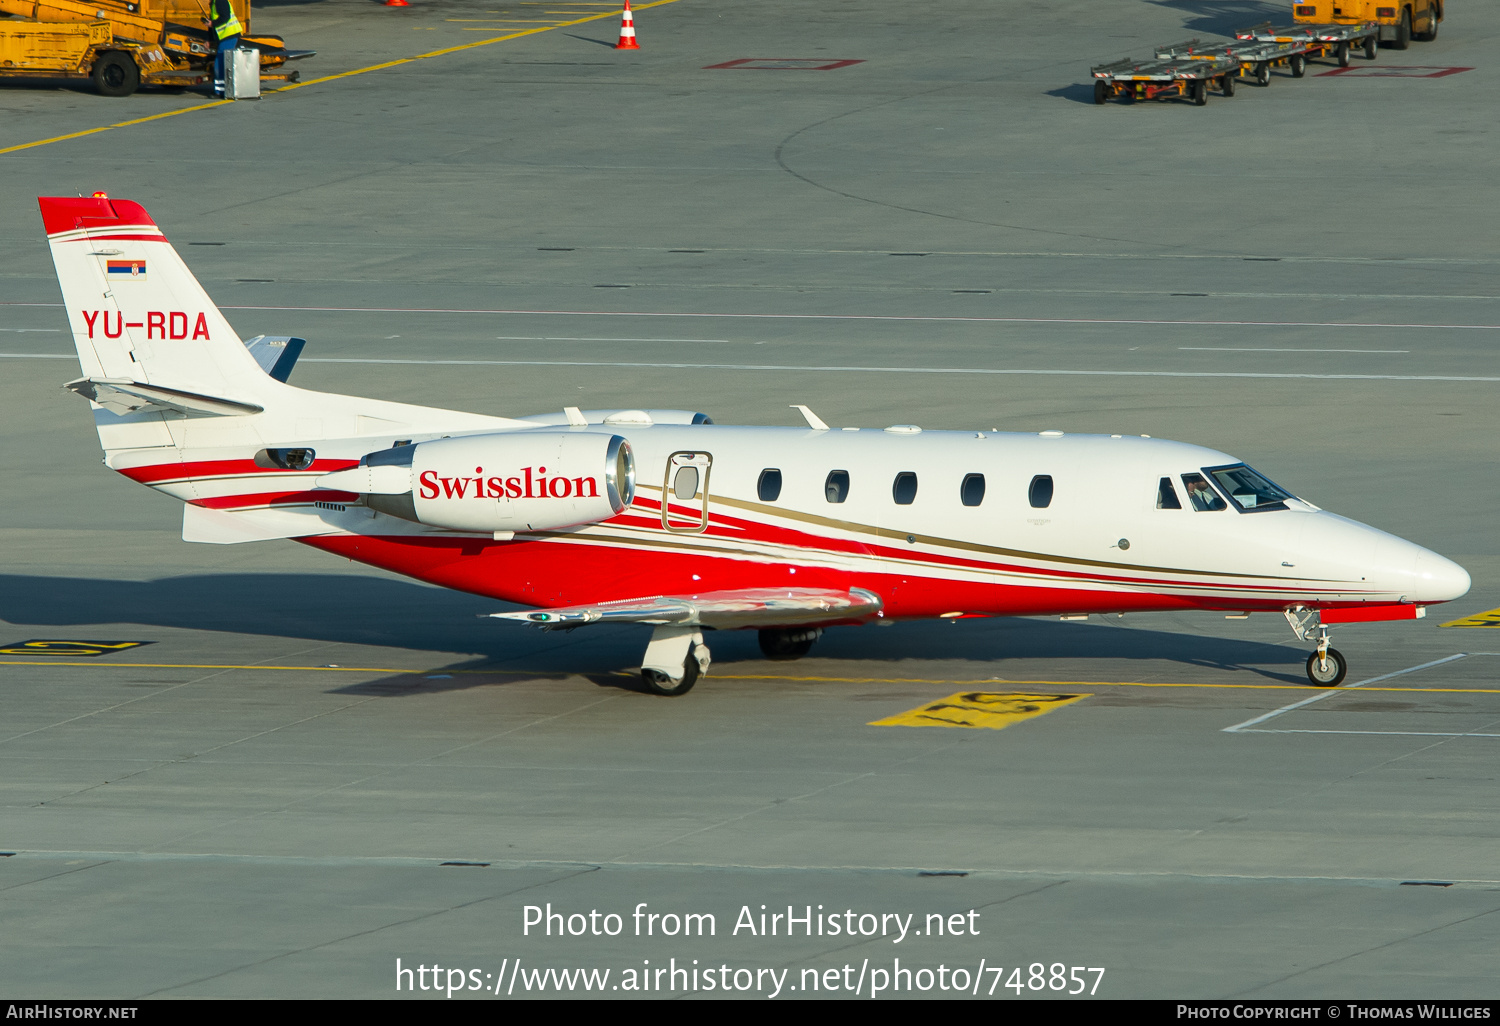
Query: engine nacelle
{"type": "Point", "coordinates": [528, 481]}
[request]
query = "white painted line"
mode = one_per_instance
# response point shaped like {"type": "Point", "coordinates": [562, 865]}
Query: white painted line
{"type": "Point", "coordinates": [1257, 349]}
{"type": "Point", "coordinates": [863, 317]}
{"type": "Point", "coordinates": [778, 368]}
{"type": "Point", "coordinates": [1391, 733]}
{"type": "Point", "coordinates": [803, 369]}
{"type": "Point", "coordinates": [1264, 717]}
{"type": "Point", "coordinates": [24, 331]}
{"type": "Point", "coordinates": [568, 338]}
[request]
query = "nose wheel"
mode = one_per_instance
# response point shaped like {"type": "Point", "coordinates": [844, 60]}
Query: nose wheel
{"type": "Point", "coordinates": [1327, 666]}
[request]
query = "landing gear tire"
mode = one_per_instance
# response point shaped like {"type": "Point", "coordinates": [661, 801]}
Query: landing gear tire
{"type": "Point", "coordinates": [658, 683]}
{"type": "Point", "coordinates": [115, 74]}
{"type": "Point", "coordinates": [1101, 93]}
{"type": "Point", "coordinates": [786, 644]}
{"type": "Point", "coordinates": [1263, 74]}
{"type": "Point", "coordinates": [1299, 65]}
{"type": "Point", "coordinates": [1329, 671]}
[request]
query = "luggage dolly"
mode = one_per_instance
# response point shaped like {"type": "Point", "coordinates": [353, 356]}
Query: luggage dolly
{"type": "Point", "coordinates": [1256, 58]}
{"type": "Point", "coordinates": [1175, 76]}
{"type": "Point", "coordinates": [1317, 41]}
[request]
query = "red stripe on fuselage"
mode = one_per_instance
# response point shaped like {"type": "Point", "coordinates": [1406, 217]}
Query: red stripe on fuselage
{"type": "Point", "coordinates": [538, 573]}
{"type": "Point", "coordinates": [164, 473]}
{"type": "Point", "coordinates": [259, 499]}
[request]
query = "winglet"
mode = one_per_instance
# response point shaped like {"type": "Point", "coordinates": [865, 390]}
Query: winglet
{"type": "Point", "coordinates": [813, 420]}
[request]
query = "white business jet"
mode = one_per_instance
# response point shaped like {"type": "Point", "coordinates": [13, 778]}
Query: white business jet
{"type": "Point", "coordinates": [664, 518]}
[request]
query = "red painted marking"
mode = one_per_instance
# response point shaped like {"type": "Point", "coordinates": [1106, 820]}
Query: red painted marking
{"type": "Point", "coordinates": [782, 64]}
{"type": "Point", "coordinates": [69, 213]}
{"type": "Point", "coordinates": [164, 473]}
{"type": "Point", "coordinates": [539, 573]}
{"type": "Point", "coordinates": [125, 238]}
{"type": "Point", "coordinates": [1393, 71]}
{"type": "Point", "coordinates": [1368, 614]}
{"type": "Point", "coordinates": [253, 501]}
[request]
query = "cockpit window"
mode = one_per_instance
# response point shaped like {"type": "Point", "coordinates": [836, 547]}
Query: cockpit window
{"type": "Point", "coordinates": [1203, 498]}
{"type": "Point", "coordinates": [1166, 495]}
{"type": "Point", "coordinates": [1249, 492]}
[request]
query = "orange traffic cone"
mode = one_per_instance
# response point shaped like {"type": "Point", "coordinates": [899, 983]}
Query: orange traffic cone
{"type": "Point", "coordinates": [627, 31]}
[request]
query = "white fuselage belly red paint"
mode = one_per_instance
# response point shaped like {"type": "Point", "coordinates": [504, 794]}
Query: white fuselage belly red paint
{"type": "Point", "coordinates": [932, 557]}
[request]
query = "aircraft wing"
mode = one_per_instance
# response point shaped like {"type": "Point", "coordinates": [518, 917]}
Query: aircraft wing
{"type": "Point", "coordinates": [760, 607]}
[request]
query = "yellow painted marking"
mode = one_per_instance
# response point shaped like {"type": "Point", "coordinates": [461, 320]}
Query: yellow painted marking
{"type": "Point", "coordinates": [1489, 618]}
{"type": "Point", "coordinates": [251, 666]}
{"type": "Point", "coordinates": [118, 124]}
{"type": "Point", "coordinates": [985, 709]}
{"type": "Point", "coordinates": [1077, 683]}
{"type": "Point", "coordinates": [49, 647]}
{"type": "Point", "coordinates": [747, 676]}
{"type": "Point", "coordinates": [333, 78]}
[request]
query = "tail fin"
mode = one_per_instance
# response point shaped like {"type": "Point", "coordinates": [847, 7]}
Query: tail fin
{"type": "Point", "coordinates": [137, 313]}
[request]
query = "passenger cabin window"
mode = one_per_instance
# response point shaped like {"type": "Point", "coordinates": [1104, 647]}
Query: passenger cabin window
{"type": "Point", "coordinates": [904, 490]}
{"type": "Point", "coordinates": [1040, 492]}
{"type": "Point", "coordinates": [836, 488]}
{"type": "Point", "coordinates": [685, 483]}
{"type": "Point", "coordinates": [1166, 495]}
{"type": "Point", "coordinates": [971, 492]}
{"type": "Point", "coordinates": [1249, 492]}
{"type": "Point", "coordinates": [1203, 498]}
{"type": "Point", "coordinates": [769, 485]}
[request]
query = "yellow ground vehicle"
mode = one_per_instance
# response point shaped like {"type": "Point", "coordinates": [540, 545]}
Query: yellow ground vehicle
{"type": "Point", "coordinates": [121, 44]}
{"type": "Point", "coordinates": [1400, 21]}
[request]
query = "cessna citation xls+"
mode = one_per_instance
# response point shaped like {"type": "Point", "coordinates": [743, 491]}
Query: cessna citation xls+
{"type": "Point", "coordinates": [664, 518]}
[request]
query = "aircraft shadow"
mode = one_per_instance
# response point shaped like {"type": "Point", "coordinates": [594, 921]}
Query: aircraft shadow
{"type": "Point", "coordinates": [393, 613]}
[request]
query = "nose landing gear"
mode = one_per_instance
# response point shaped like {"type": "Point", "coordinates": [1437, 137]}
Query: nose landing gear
{"type": "Point", "coordinates": [1327, 666]}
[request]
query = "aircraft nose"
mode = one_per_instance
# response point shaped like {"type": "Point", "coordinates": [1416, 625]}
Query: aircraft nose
{"type": "Point", "coordinates": [1438, 579]}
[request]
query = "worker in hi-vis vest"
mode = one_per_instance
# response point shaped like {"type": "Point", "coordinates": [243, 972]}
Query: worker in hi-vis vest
{"type": "Point", "coordinates": [227, 28]}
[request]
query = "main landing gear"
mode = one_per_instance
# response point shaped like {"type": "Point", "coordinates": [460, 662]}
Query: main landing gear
{"type": "Point", "coordinates": [675, 659]}
{"type": "Point", "coordinates": [1327, 666]}
{"type": "Point", "coordinates": [784, 644]}
{"type": "Point", "coordinates": [676, 656]}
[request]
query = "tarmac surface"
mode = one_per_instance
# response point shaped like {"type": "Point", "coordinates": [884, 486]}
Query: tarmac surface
{"type": "Point", "coordinates": [312, 769]}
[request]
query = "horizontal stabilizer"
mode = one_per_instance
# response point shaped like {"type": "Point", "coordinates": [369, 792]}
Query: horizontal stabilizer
{"type": "Point", "coordinates": [121, 395]}
{"type": "Point", "coordinates": [223, 527]}
{"type": "Point", "coordinates": [760, 607]}
{"type": "Point", "coordinates": [276, 354]}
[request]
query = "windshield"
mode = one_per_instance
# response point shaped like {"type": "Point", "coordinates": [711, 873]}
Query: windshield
{"type": "Point", "coordinates": [1250, 492]}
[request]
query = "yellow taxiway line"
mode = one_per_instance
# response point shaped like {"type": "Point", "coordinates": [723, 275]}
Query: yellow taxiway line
{"type": "Point", "coordinates": [987, 684]}
{"type": "Point", "coordinates": [333, 78]}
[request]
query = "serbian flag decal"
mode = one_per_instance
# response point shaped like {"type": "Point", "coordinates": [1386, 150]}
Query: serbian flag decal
{"type": "Point", "coordinates": [126, 269]}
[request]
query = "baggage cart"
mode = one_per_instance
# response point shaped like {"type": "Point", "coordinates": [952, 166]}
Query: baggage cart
{"type": "Point", "coordinates": [1319, 40]}
{"type": "Point", "coordinates": [1155, 78]}
{"type": "Point", "coordinates": [1256, 57]}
